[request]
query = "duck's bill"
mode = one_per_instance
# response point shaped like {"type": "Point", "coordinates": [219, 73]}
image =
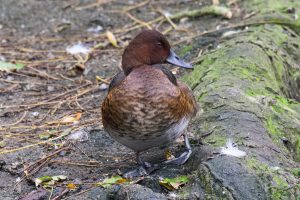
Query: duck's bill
{"type": "Point", "coordinates": [175, 60]}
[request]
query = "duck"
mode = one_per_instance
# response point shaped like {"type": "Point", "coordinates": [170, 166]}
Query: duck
{"type": "Point", "coordinates": [146, 106]}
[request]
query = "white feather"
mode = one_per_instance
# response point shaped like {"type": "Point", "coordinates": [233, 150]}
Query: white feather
{"type": "Point", "coordinates": [78, 48]}
{"type": "Point", "coordinates": [232, 150]}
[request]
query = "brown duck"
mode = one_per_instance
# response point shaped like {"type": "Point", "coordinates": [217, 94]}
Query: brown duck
{"type": "Point", "coordinates": [146, 106]}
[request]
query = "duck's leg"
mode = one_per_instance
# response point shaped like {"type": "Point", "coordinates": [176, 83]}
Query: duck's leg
{"type": "Point", "coordinates": [140, 161]}
{"type": "Point", "coordinates": [183, 157]}
{"type": "Point", "coordinates": [144, 168]}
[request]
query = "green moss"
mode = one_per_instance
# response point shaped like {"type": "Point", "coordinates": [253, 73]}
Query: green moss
{"type": "Point", "coordinates": [279, 191]}
{"type": "Point", "coordinates": [271, 5]}
{"type": "Point", "coordinates": [185, 50]}
{"type": "Point", "coordinates": [213, 190]}
{"type": "Point", "coordinates": [295, 172]}
{"type": "Point", "coordinates": [282, 121]}
{"type": "Point", "coordinates": [200, 70]}
{"type": "Point", "coordinates": [272, 128]}
{"type": "Point", "coordinates": [216, 140]}
{"type": "Point", "coordinates": [276, 183]}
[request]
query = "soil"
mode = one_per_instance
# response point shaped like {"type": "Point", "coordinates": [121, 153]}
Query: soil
{"type": "Point", "coordinates": [55, 86]}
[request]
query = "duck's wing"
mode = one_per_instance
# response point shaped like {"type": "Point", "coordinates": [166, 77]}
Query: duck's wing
{"type": "Point", "coordinates": [187, 98]}
{"type": "Point", "coordinates": [117, 79]}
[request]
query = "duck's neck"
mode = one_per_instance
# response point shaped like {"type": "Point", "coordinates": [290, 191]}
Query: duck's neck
{"type": "Point", "coordinates": [131, 60]}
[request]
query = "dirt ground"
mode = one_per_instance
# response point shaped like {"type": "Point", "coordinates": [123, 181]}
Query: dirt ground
{"type": "Point", "coordinates": [50, 119]}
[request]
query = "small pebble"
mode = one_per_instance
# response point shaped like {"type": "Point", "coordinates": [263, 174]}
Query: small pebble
{"type": "Point", "coordinates": [28, 87]}
{"type": "Point", "coordinates": [275, 168]}
{"type": "Point", "coordinates": [183, 20]}
{"type": "Point", "coordinates": [10, 78]}
{"type": "Point", "coordinates": [35, 114]}
{"type": "Point", "coordinates": [96, 29]}
{"type": "Point", "coordinates": [50, 88]}
{"type": "Point", "coordinates": [103, 87]}
{"type": "Point", "coordinates": [2, 58]}
{"type": "Point", "coordinates": [18, 179]}
{"type": "Point", "coordinates": [63, 153]}
{"type": "Point", "coordinates": [2, 144]}
{"type": "Point", "coordinates": [79, 135]}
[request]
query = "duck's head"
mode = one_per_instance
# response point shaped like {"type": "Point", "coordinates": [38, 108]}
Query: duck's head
{"type": "Point", "coordinates": [148, 48]}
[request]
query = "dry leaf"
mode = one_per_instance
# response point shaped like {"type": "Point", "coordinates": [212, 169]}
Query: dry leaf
{"type": "Point", "coordinates": [7, 67]}
{"type": "Point", "coordinates": [46, 181]}
{"type": "Point", "coordinates": [68, 119]}
{"type": "Point", "coordinates": [112, 180]}
{"type": "Point", "coordinates": [71, 119]}
{"type": "Point", "coordinates": [111, 38]}
{"type": "Point", "coordinates": [44, 135]}
{"type": "Point", "coordinates": [168, 155]}
{"type": "Point", "coordinates": [216, 2]}
{"type": "Point", "coordinates": [71, 186]}
{"type": "Point", "coordinates": [78, 116]}
{"type": "Point", "coordinates": [174, 183]}
{"type": "Point", "coordinates": [2, 144]}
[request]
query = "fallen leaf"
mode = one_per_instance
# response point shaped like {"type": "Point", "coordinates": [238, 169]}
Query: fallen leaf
{"type": "Point", "coordinates": [63, 26]}
{"type": "Point", "coordinates": [123, 180]}
{"type": "Point", "coordinates": [49, 180]}
{"type": "Point", "coordinates": [168, 155]}
{"type": "Point", "coordinates": [68, 119]}
{"type": "Point", "coordinates": [59, 177]}
{"type": "Point", "coordinates": [40, 180]}
{"type": "Point", "coordinates": [78, 116]}
{"type": "Point", "coordinates": [7, 67]}
{"type": "Point", "coordinates": [71, 186]}
{"type": "Point", "coordinates": [66, 132]}
{"type": "Point", "coordinates": [112, 39]}
{"type": "Point", "coordinates": [216, 2]}
{"type": "Point", "coordinates": [2, 144]}
{"type": "Point", "coordinates": [111, 181]}
{"type": "Point", "coordinates": [44, 136]}
{"type": "Point", "coordinates": [174, 183]}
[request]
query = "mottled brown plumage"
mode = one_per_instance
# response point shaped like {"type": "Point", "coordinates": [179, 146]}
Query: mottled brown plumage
{"type": "Point", "coordinates": [146, 106]}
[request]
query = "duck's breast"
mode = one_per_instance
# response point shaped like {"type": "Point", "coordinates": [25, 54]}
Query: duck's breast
{"type": "Point", "coordinates": [146, 108]}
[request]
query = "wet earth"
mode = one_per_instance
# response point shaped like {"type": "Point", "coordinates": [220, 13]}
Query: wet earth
{"type": "Point", "coordinates": [50, 119]}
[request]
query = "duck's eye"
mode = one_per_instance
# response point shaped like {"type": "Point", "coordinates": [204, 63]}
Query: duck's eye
{"type": "Point", "coordinates": [159, 44]}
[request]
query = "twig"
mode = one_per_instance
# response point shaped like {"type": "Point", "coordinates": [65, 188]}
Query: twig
{"type": "Point", "coordinates": [46, 157]}
{"type": "Point", "coordinates": [64, 60]}
{"type": "Point", "coordinates": [61, 194]}
{"type": "Point", "coordinates": [8, 89]}
{"type": "Point", "coordinates": [34, 171]}
{"type": "Point", "coordinates": [43, 161]}
{"type": "Point", "coordinates": [96, 4]}
{"type": "Point", "coordinates": [43, 74]}
{"type": "Point", "coordinates": [136, 6]}
{"type": "Point", "coordinates": [168, 19]}
{"type": "Point", "coordinates": [79, 193]}
{"type": "Point", "coordinates": [39, 51]}
{"type": "Point", "coordinates": [75, 164]}
{"type": "Point", "coordinates": [15, 123]}
{"type": "Point", "coordinates": [138, 20]}
{"type": "Point", "coordinates": [240, 25]}
{"type": "Point", "coordinates": [31, 145]}
{"type": "Point", "coordinates": [207, 10]}
{"type": "Point", "coordinates": [102, 80]}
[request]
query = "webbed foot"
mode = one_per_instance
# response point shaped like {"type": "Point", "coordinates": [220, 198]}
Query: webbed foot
{"type": "Point", "coordinates": [183, 157]}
